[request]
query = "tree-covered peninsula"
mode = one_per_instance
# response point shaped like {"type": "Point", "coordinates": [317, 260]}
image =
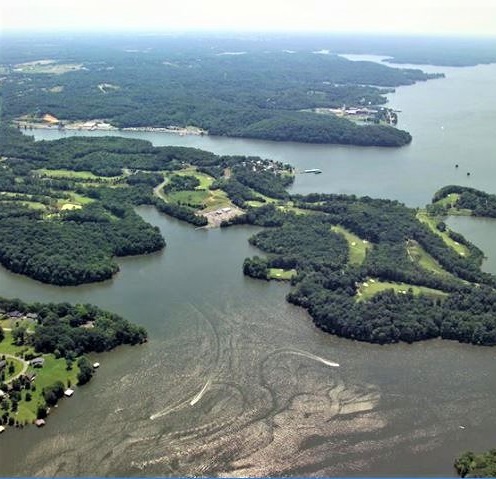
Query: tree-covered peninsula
{"type": "Point", "coordinates": [179, 82]}
{"type": "Point", "coordinates": [374, 270]}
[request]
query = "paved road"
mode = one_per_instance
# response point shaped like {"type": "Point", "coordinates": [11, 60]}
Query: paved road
{"type": "Point", "coordinates": [24, 367]}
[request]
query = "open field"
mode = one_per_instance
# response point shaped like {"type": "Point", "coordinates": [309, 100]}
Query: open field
{"type": "Point", "coordinates": [357, 246]}
{"type": "Point", "coordinates": [281, 274]}
{"type": "Point", "coordinates": [461, 249]}
{"type": "Point", "coordinates": [371, 287]}
{"type": "Point", "coordinates": [193, 198]}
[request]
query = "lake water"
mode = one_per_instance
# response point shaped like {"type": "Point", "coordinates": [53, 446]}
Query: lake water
{"type": "Point", "coordinates": [232, 381]}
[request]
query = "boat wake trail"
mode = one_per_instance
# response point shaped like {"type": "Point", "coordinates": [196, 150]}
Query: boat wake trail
{"type": "Point", "coordinates": [200, 394]}
{"type": "Point", "coordinates": [297, 352]}
{"type": "Point", "coordinates": [191, 402]}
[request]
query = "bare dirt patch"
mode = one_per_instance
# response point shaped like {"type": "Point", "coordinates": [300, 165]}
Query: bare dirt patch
{"type": "Point", "coordinates": [216, 217]}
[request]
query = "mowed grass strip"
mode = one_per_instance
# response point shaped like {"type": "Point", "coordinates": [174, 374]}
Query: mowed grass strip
{"type": "Point", "coordinates": [461, 249]}
{"type": "Point", "coordinates": [281, 274]}
{"type": "Point", "coordinates": [419, 256]}
{"type": "Point", "coordinates": [449, 200]}
{"type": "Point", "coordinates": [373, 286]}
{"type": "Point", "coordinates": [357, 247]}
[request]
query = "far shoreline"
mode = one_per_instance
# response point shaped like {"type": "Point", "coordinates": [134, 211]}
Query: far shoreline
{"type": "Point", "coordinates": [102, 125]}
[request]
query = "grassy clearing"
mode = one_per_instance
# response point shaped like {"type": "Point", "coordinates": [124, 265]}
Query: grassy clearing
{"type": "Point", "coordinates": [461, 249]}
{"type": "Point", "coordinates": [53, 370]}
{"type": "Point", "coordinates": [418, 255]}
{"type": "Point", "coordinates": [6, 346]}
{"type": "Point", "coordinates": [195, 198]}
{"type": "Point", "coordinates": [204, 179]}
{"type": "Point", "coordinates": [30, 204]}
{"type": "Point", "coordinates": [289, 207]}
{"type": "Point", "coordinates": [85, 175]}
{"type": "Point", "coordinates": [281, 274]}
{"type": "Point", "coordinates": [217, 199]}
{"type": "Point", "coordinates": [449, 200]}
{"type": "Point", "coordinates": [70, 174]}
{"type": "Point", "coordinates": [76, 198]}
{"type": "Point", "coordinates": [357, 246]}
{"type": "Point", "coordinates": [371, 287]}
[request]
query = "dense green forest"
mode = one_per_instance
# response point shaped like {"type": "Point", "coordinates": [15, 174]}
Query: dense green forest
{"type": "Point", "coordinates": [477, 465]}
{"type": "Point", "coordinates": [266, 94]}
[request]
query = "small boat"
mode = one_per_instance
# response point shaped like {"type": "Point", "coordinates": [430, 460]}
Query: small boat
{"type": "Point", "coordinates": [313, 170]}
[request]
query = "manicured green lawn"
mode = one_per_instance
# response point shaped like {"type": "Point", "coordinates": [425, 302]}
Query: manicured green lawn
{"type": "Point", "coordinates": [192, 197]}
{"type": "Point", "coordinates": [461, 249]}
{"type": "Point", "coordinates": [449, 200]}
{"type": "Point", "coordinates": [18, 365]}
{"type": "Point", "coordinates": [281, 274]}
{"type": "Point", "coordinates": [371, 287]}
{"type": "Point", "coordinates": [357, 246]}
{"type": "Point", "coordinates": [85, 175]}
{"type": "Point", "coordinates": [53, 370]}
{"type": "Point", "coordinates": [6, 346]}
{"type": "Point", "coordinates": [204, 179]}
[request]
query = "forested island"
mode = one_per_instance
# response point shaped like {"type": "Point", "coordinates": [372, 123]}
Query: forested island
{"type": "Point", "coordinates": [179, 82]}
{"type": "Point", "coordinates": [42, 353]}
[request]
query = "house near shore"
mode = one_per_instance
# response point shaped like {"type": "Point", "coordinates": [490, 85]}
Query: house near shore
{"type": "Point", "coordinates": [37, 362]}
{"type": "Point", "coordinates": [68, 392]}
{"type": "Point", "coordinates": [30, 376]}
{"type": "Point", "coordinates": [39, 422]}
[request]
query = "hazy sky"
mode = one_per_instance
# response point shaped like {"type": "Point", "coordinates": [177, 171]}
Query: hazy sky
{"type": "Point", "coordinates": [465, 17]}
